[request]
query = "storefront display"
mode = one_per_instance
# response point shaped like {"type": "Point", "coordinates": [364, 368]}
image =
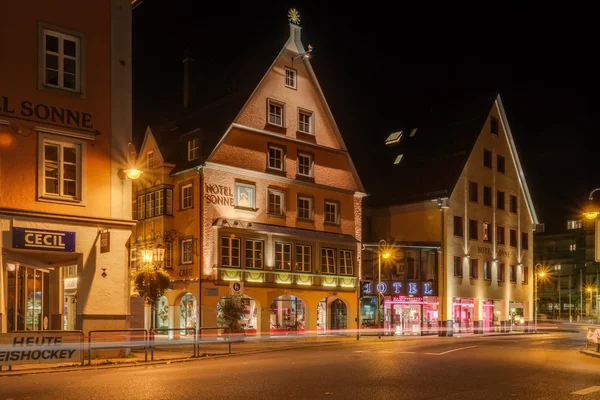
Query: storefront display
{"type": "Point", "coordinates": [287, 315]}
{"type": "Point", "coordinates": [404, 315]}
{"type": "Point", "coordinates": [462, 315]}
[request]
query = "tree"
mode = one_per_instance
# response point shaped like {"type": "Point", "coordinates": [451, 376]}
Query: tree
{"type": "Point", "coordinates": [151, 282]}
{"type": "Point", "coordinates": [231, 311]}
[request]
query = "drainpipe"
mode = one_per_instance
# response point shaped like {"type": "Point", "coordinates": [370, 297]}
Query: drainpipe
{"type": "Point", "coordinates": [200, 247]}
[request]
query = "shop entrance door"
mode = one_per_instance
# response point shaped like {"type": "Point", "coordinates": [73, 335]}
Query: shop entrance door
{"type": "Point", "coordinates": [338, 316]}
{"type": "Point", "coordinates": [27, 298]}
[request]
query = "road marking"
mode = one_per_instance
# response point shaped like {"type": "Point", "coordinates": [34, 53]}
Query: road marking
{"type": "Point", "coordinates": [450, 351]}
{"type": "Point", "coordinates": [360, 351]}
{"type": "Point", "coordinates": [589, 390]}
{"type": "Point", "coordinates": [406, 352]}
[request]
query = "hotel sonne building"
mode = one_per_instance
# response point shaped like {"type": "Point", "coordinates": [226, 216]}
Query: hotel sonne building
{"type": "Point", "coordinates": [460, 187]}
{"type": "Point", "coordinates": [65, 201]}
{"type": "Point", "coordinates": [254, 195]}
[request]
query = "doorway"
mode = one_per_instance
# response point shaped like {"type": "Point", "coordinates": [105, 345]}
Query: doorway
{"type": "Point", "coordinates": [27, 298]}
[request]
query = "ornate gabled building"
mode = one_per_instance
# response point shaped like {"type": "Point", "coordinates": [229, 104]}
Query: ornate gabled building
{"type": "Point", "coordinates": [458, 185]}
{"type": "Point", "coordinates": [258, 197]}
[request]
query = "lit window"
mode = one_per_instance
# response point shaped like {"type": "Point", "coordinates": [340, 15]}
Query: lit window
{"type": "Point", "coordinates": [304, 208]}
{"type": "Point", "coordinates": [254, 253]}
{"type": "Point", "coordinates": [168, 260]}
{"type": "Point", "coordinates": [244, 196]}
{"type": "Point", "coordinates": [331, 212]}
{"type": "Point", "coordinates": [283, 256]}
{"type": "Point", "coordinates": [305, 164]}
{"type": "Point", "coordinates": [230, 252]}
{"type": "Point", "coordinates": [290, 78]}
{"type": "Point", "coordinates": [275, 113]}
{"type": "Point", "coordinates": [305, 122]}
{"type": "Point", "coordinates": [62, 177]}
{"type": "Point", "coordinates": [276, 158]}
{"type": "Point", "coordinates": [399, 158]}
{"type": "Point", "coordinates": [574, 224]}
{"type": "Point", "coordinates": [303, 258]}
{"type": "Point", "coordinates": [193, 149]}
{"type": "Point", "coordinates": [62, 58]}
{"type": "Point", "coordinates": [328, 260]}
{"type": "Point", "coordinates": [186, 196]}
{"type": "Point", "coordinates": [159, 205]}
{"type": "Point", "coordinates": [141, 204]}
{"type": "Point", "coordinates": [186, 251]}
{"type": "Point", "coordinates": [150, 160]}
{"type": "Point", "coordinates": [394, 137]}
{"type": "Point", "coordinates": [149, 205]}
{"type": "Point", "coordinates": [346, 267]}
{"type": "Point", "coordinates": [276, 202]}
{"type": "Point", "coordinates": [486, 232]}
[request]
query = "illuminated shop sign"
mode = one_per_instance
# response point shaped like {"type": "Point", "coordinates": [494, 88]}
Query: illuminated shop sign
{"type": "Point", "coordinates": [371, 288]}
{"type": "Point", "coordinates": [43, 239]}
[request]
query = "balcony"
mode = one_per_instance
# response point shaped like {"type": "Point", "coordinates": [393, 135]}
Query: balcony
{"type": "Point", "coordinates": [276, 278]}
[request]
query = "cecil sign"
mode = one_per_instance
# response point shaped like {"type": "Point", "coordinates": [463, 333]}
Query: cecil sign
{"type": "Point", "coordinates": [43, 239]}
{"type": "Point", "coordinates": [29, 348]}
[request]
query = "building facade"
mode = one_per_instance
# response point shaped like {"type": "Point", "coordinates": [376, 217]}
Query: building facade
{"type": "Point", "coordinates": [461, 187]}
{"type": "Point", "coordinates": [258, 199]}
{"type": "Point", "coordinates": [65, 125]}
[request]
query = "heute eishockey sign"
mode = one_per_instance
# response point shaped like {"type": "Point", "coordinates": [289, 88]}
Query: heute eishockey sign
{"type": "Point", "coordinates": [40, 348]}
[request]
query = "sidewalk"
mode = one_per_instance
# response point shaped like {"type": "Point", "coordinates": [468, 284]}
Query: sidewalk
{"type": "Point", "coordinates": [181, 350]}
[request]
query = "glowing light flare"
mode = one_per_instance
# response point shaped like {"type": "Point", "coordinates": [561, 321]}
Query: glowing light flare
{"type": "Point", "coordinates": [591, 214]}
{"type": "Point", "coordinates": [133, 173]}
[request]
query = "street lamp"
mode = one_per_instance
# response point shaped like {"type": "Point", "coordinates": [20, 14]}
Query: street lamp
{"type": "Point", "coordinates": [535, 298]}
{"type": "Point", "coordinates": [384, 252]}
{"type": "Point", "coordinates": [591, 212]}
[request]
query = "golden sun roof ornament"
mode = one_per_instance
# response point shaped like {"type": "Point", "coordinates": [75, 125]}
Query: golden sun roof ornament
{"type": "Point", "coordinates": [294, 16]}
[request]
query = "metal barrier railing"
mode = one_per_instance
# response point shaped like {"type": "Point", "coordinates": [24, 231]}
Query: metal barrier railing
{"type": "Point", "coordinates": [117, 345]}
{"type": "Point", "coordinates": [227, 338]}
{"type": "Point", "coordinates": [153, 333]}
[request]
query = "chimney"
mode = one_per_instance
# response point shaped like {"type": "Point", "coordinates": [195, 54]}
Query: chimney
{"type": "Point", "coordinates": [187, 59]}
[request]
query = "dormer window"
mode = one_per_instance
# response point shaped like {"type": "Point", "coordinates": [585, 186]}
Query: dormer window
{"type": "Point", "coordinates": [290, 78]}
{"type": "Point", "coordinates": [193, 149]}
{"type": "Point", "coordinates": [276, 113]}
{"type": "Point", "coordinates": [393, 138]}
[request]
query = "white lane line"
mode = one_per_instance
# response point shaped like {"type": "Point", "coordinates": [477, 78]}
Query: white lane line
{"type": "Point", "coordinates": [589, 390]}
{"type": "Point", "coordinates": [450, 351]}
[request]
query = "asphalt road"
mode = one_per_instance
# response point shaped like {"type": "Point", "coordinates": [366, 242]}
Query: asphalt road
{"type": "Point", "coordinates": [509, 367]}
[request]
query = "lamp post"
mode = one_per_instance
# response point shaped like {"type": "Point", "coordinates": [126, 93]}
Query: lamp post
{"type": "Point", "coordinates": [535, 299]}
{"type": "Point", "coordinates": [382, 252]}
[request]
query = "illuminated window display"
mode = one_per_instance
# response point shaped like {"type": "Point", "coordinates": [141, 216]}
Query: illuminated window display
{"type": "Point", "coordinates": [188, 312]}
{"type": "Point", "coordinates": [287, 315]}
{"type": "Point", "coordinates": [463, 314]}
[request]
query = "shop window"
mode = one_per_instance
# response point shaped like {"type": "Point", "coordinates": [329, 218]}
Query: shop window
{"type": "Point", "coordinates": [276, 202]}
{"type": "Point", "coordinates": [486, 232]}
{"type": "Point", "coordinates": [305, 165]}
{"type": "Point", "coordinates": [186, 196]}
{"type": "Point", "coordinates": [487, 158]}
{"type": "Point", "coordinates": [500, 200]}
{"type": "Point", "coordinates": [473, 268]}
{"type": "Point", "coordinates": [61, 61]}
{"type": "Point", "coordinates": [254, 253]}
{"type": "Point", "coordinates": [276, 113]}
{"type": "Point", "coordinates": [305, 208]}
{"type": "Point", "coordinates": [500, 235]}
{"type": "Point", "coordinates": [501, 271]}
{"type": "Point", "coordinates": [193, 149]}
{"type": "Point", "coordinates": [458, 266]}
{"type": "Point", "coordinates": [513, 238]}
{"type": "Point", "coordinates": [276, 158]}
{"type": "Point", "coordinates": [513, 204]}
{"type": "Point", "coordinates": [487, 196]}
{"type": "Point", "coordinates": [458, 226]}
{"type": "Point", "coordinates": [303, 258]}
{"type": "Point", "coordinates": [332, 212]}
{"type": "Point", "coordinates": [487, 270]}
{"type": "Point", "coordinates": [327, 260]}
{"type": "Point", "coordinates": [501, 164]}
{"type": "Point", "coordinates": [186, 256]}
{"type": "Point", "coordinates": [305, 124]}
{"type": "Point", "coordinates": [346, 265]}
{"type": "Point", "coordinates": [513, 274]}
{"type": "Point", "coordinates": [283, 256]}
{"type": "Point", "coordinates": [473, 192]}
{"type": "Point", "coordinates": [230, 252]}
{"type": "Point", "coordinates": [245, 196]}
{"type": "Point", "coordinates": [61, 170]}
{"type": "Point", "coordinates": [473, 234]}
{"type": "Point", "coordinates": [290, 78]}
{"type": "Point", "coordinates": [524, 241]}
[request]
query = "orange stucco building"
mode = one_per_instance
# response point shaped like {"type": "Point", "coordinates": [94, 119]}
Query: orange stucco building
{"type": "Point", "coordinates": [257, 197]}
{"type": "Point", "coordinates": [65, 125]}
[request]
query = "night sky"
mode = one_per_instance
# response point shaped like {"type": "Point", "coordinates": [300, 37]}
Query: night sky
{"type": "Point", "coordinates": [380, 66]}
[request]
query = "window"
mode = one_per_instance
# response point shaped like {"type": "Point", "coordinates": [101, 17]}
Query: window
{"type": "Point", "coordinates": [574, 224]}
{"type": "Point", "coordinates": [473, 192]}
{"type": "Point", "coordinates": [486, 232]}
{"type": "Point", "coordinates": [303, 258]}
{"type": "Point", "coordinates": [150, 160]}
{"type": "Point", "coordinates": [62, 61]}
{"type": "Point", "coordinates": [305, 122]}
{"type": "Point", "coordinates": [501, 164]}
{"type": "Point", "coordinates": [513, 273]}
{"type": "Point", "coordinates": [168, 259]}
{"type": "Point", "coordinates": [513, 204]}
{"type": "Point", "coordinates": [398, 158]}
{"type": "Point", "coordinates": [500, 200]}
{"type": "Point", "coordinates": [513, 238]}
{"type": "Point", "coordinates": [276, 116]}
{"type": "Point", "coordinates": [494, 126]}
{"type": "Point", "coordinates": [304, 208]}
{"type": "Point", "coordinates": [393, 138]}
{"type": "Point", "coordinates": [474, 266]}
{"type": "Point", "coordinates": [193, 148]}
{"type": "Point", "coordinates": [524, 241]}
{"type": "Point", "coordinates": [290, 78]}
{"type": "Point", "coordinates": [244, 196]}
{"type": "Point", "coordinates": [141, 205]}
{"type": "Point", "coordinates": [487, 270]}
{"type": "Point", "coordinates": [254, 253]}
{"type": "Point", "coordinates": [487, 196]}
{"type": "Point", "coordinates": [346, 263]}
{"type": "Point", "coordinates": [230, 252]}
{"type": "Point", "coordinates": [149, 205]}
{"type": "Point", "coordinates": [305, 164]}
{"type": "Point", "coordinates": [327, 260]}
{"type": "Point", "coordinates": [487, 158]}
{"type": "Point", "coordinates": [169, 200]}
{"type": "Point", "coordinates": [458, 269]}
{"type": "Point", "coordinates": [524, 275]}
{"type": "Point", "coordinates": [500, 235]}
{"type": "Point", "coordinates": [501, 269]}
{"type": "Point", "coordinates": [458, 226]}
{"type": "Point", "coordinates": [62, 176]}
{"type": "Point", "coordinates": [186, 196]}
{"type": "Point", "coordinates": [283, 256]}
{"type": "Point", "coordinates": [159, 205]}
{"type": "Point", "coordinates": [276, 202]}
{"type": "Point", "coordinates": [331, 213]}
{"type": "Point", "coordinates": [186, 251]}
{"type": "Point", "coordinates": [473, 230]}
{"type": "Point", "coordinates": [276, 158]}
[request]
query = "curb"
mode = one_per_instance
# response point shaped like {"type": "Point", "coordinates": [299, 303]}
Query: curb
{"type": "Point", "coordinates": [590, 353]}
{"type": "Point", "coordinates": [152, 363]}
